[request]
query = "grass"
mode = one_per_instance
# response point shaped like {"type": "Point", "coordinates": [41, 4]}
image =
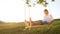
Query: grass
{"type": "Point", "coordinates": [18, 28]}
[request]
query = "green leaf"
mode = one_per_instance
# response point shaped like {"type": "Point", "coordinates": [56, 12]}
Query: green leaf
{"type": "Point", "coordinates": [53, 0]}
{"type": "Point", "coordinates": [46, 3]}
{"type": "Point", "coordinates": [27, 1]}
{"type": "Point", "coordinates": [29, 5]}
{"type": "Point", "coordinates": [41, 1]}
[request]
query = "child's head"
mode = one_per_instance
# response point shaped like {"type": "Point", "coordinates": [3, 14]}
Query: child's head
{"type": "Point", "coordinates": [46, 12]}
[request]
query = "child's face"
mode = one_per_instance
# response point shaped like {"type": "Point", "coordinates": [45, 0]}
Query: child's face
{"type": "Point", "coordinates": [46, 13]}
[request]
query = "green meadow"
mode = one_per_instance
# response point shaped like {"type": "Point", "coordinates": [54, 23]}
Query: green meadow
{"type": "Point", "coordinates": [18, 28]}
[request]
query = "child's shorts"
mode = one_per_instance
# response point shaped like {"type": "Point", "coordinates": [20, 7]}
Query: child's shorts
{"type": "Point", "coordinates": [44, 22]}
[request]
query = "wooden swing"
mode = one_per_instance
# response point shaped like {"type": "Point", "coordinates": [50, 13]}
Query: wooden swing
{"type": "Point", "coordinates": [35, 24]}
{"type": "Point", "coordinates": [31, 23]}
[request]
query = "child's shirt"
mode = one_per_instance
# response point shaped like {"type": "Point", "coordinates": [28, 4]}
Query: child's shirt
{"type": "Point", "coordinates": [48, 18]}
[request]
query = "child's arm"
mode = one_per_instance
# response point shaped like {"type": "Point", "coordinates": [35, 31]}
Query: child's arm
{"type": "Point", "coordinates": [51, 20]}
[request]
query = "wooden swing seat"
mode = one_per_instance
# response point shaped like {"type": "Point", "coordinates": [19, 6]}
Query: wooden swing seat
{"type": "Point", "coordinates": [37, 23]}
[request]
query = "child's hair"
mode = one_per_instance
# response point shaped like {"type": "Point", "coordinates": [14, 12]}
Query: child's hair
{"type": "Point", "coordinates": [46, 11]}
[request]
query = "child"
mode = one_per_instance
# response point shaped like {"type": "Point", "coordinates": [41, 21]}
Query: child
{"type": "Point", "coordinates": [47, 18]}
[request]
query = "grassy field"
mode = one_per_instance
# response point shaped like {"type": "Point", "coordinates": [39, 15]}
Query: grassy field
{"type": "Point", "coordinates": [18, 28]}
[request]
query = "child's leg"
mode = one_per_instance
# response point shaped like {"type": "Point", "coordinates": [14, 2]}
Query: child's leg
{"type": "Point", "coordinates": [30, 22]}
{"type": "Point", "coordinates": [27, 24]}
{"type": "Point", "coordinates": [41, 22]}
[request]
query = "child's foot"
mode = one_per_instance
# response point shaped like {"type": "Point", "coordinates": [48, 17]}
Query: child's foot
{"type": "Point", "coordinates": [30, 28]}
{"type": "Point", "coordinates": [25, 28]}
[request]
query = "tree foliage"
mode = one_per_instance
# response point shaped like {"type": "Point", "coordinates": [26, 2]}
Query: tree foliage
{"type": "Point", "coordinates": [43, 2]}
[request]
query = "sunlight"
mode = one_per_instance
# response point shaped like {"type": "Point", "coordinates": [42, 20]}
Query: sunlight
{"type": "Point", "coordinates": [13, 11]}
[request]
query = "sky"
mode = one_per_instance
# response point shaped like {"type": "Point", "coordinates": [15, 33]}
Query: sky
{"type": "Point", "coordinates": [14, 10]}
